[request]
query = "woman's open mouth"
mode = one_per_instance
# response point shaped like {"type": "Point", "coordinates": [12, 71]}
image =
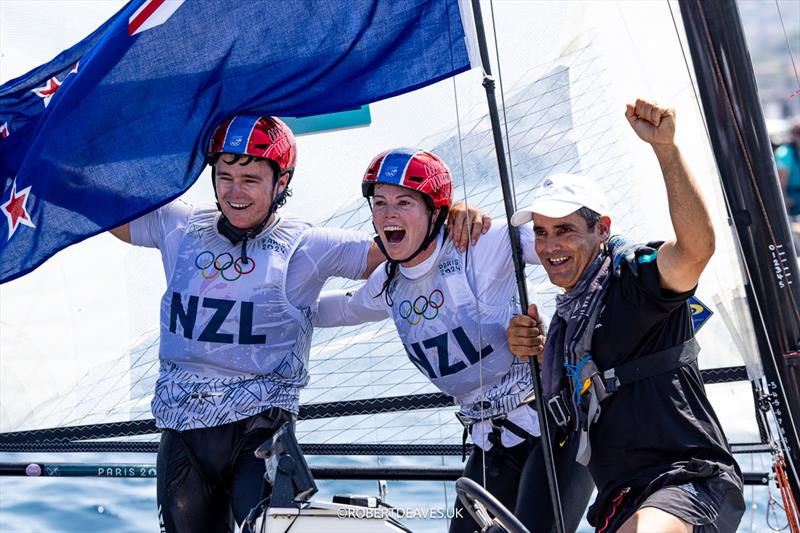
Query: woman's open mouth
{"type": "Point", "coordinates": [394, 234]}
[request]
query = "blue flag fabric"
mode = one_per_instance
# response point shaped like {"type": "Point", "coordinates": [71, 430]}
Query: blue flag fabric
{"type": "Point", "coordinates": [118, 124]}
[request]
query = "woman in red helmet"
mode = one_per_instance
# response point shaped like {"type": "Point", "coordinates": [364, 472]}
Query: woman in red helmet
{"type": "Point", "coordinates": [242, 285]}
{"type": "Point", "coordinates": [451, 311]}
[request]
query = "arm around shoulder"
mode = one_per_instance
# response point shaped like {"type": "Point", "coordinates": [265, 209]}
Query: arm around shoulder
{"type": "Point", "coordinates": [122, 232]}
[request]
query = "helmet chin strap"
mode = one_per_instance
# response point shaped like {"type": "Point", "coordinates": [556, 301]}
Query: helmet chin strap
{"type": "Point", "coordinates": [429, 238]}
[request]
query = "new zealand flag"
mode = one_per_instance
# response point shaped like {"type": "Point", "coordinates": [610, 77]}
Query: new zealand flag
{"type": "Point", "coordinates": [117, 125]}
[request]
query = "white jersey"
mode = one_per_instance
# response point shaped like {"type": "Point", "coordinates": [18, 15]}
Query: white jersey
{"type": "Point", "coordinates": [451, 313]}
{"type": "Point", "coordinates": [234, 339]}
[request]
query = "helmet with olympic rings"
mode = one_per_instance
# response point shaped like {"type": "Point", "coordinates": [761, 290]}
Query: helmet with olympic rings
{"type": "Point", "coordinates": [264, 137]}
{"type": "Point", "coordinates": [414, 169]}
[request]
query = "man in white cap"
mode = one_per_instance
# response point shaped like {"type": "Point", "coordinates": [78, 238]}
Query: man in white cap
{"type": "Point", "coordinates": [619, 368]}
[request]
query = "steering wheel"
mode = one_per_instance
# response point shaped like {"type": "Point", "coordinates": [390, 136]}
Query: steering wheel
{"type": "Point", "coordinates": [485, 509]}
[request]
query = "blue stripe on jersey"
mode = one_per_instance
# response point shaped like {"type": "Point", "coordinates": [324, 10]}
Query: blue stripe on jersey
{"type": "Point", "coordinates": [394, 165]}
{"type": "Point", "coordinates": [238, 134]}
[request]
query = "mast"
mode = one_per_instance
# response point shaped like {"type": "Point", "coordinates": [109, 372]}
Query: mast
{"type": "Point", "coordinates": [519, 267]}
{"type": "Point", "coordinates": [744, 157]}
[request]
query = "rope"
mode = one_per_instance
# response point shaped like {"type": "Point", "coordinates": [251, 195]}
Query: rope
{"type": "Point", "coordinates": [788, 45]}
{"type": "Point", "coordinates": [308, 448]}
{"type": "Point", "coordinates": [375, 406]}
{"type": "Point", "coordinates": [789, 504]}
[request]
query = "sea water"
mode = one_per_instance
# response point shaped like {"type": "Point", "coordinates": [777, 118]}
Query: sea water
{"type": "Point", "coordinates": [50, 504]}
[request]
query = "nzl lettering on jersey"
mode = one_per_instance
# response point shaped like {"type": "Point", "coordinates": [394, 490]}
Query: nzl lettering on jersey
{"type": "Point", "coordinates": [211, 332]}
{"type": "Point", "coordinates": [440, 342]}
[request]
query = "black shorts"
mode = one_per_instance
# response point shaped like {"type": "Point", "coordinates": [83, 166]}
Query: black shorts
{"type": "Point", "coordinates": [711, 505]}
{"type": "Point", "coordinates": [208, 479]}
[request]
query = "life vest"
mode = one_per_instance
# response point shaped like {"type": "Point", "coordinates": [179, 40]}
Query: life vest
{"type": "Point", "coordinates": [458, 343]}
{"type": "Point", "coordinates": [231, 343]}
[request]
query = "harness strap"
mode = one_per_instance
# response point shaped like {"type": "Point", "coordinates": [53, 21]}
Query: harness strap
{"type": "Point", "coordinates": [467, 423]}
{"type": "Point", "coordinates": [512, 427]}
{"type": "Point", "coordinates": [464, 444]}
{"type": "Point", "coordinates": [612, 379]}
{"type": "Point", "coordinates": [593, 387]}
{"type": "Point", "coordinates": [497, 423]}
{"type": "Point", "coordinates": [651, 365]}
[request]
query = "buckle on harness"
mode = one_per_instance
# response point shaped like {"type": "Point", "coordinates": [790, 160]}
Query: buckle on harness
{"type": "Point", "coordinates": [612, 381]}
{"type": "Point", "coordinates": [497, 421]}
{"type": "Point", "coordinates": [465, 420]}
{"type": "Point", "coordinates": [558, 410]}
{"type": "Point", "coordinates": [529, 399]}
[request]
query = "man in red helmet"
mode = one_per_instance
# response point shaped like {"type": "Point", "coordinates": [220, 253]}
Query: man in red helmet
{"type": "Point", "coordinates": [236, 322]}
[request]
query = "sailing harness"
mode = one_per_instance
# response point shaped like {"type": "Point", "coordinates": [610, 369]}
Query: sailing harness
{"type": "Point", "coordinates": [498, 423]}
{"type": "Point", "coordinates": [576, 406]}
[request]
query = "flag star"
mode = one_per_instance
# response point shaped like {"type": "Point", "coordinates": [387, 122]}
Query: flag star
{"type": "Point", "coordinates": [48, 90]}
{"type": "Point", "coordinates": [15, 209]}
{"type": "Point", "coordinates": [4, 130]}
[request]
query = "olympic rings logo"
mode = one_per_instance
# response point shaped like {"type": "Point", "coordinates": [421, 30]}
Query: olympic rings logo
{"type": "Point", "coordinates": [222, 265]}
{"type": "Point", "coordinates": [423, 307]}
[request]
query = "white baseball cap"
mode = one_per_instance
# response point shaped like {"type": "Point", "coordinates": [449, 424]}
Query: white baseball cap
{"type": "Point", "coordinates": [562, 194]}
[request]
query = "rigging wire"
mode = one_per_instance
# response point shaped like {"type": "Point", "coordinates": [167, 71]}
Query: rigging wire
{"type": "Point", "coordinates": [788, 44]}
{"type": "Point", "coordinates": [753, 505]}
{"type": "Point", "coordinates": [489, 87]}
{"type": "Point", "coordinates": [444, 484]}
{"type": "Point", "coordinates": [467, 271]}
{"type": "Point", "coordinates": [503, 104]}
{"type": "Point", "coordinates": [466, 260]}
{"type": "Point", "coordinates": [691, 78]}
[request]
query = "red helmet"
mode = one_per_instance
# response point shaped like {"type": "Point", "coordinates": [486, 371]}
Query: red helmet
{"type": "Point", "coordinates": [414, 169]}
{"type": "Point", "coordinates": [266, 137]}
